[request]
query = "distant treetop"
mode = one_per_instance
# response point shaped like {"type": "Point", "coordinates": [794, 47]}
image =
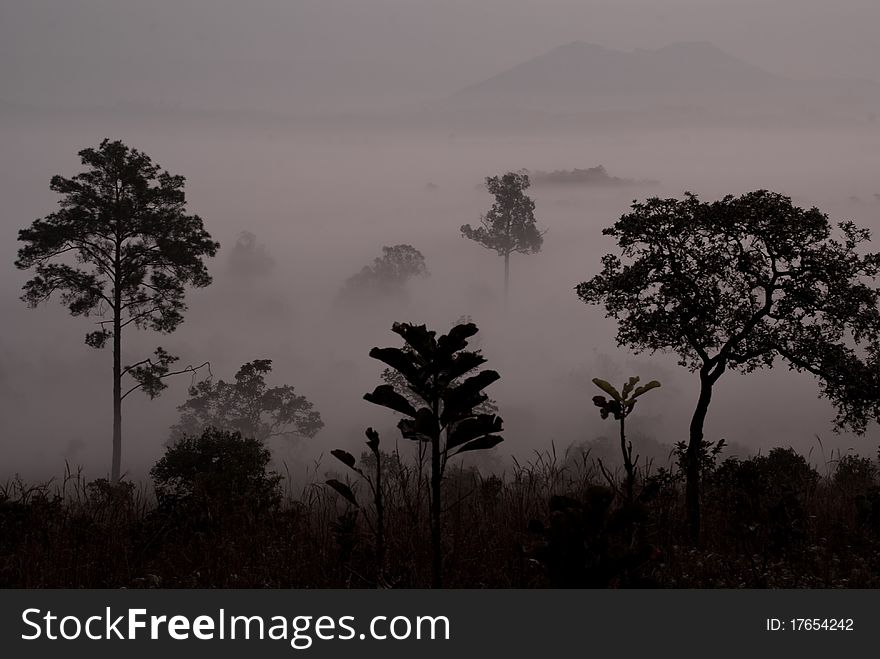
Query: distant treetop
{"type": "Point", "coordinates": [388, 275]}
{"type": "Point", "coordinates": [249, 258]}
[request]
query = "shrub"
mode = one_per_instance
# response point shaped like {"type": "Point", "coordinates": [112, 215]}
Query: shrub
{"type": "Point", "coordinates": [854, 474]}
{"type": "Point", "coordinates": [218, 469]}
{"type": "Point", "coordinates": [763, 502]}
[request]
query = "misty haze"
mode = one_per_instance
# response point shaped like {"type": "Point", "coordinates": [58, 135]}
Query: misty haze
{"type": "Point", "coordinates": [313, 136]}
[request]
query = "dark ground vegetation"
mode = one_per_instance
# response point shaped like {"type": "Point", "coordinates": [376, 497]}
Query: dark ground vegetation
{"type": "Point", "coordinates": [217, 516]}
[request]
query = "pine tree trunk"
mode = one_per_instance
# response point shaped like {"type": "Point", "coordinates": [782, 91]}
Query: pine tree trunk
{"type": "Point", "coordinates": [117, 397]}
{"type": "Point", "coordinates": [116, 463]}
{"type": "Point", "coordinates": [506, 278]}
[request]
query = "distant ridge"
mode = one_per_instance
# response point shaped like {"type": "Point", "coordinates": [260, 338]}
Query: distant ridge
{"type": "Point", "coordinates": [591, 177]}
{"type": "Point", "coordinates": [586, 68]}
{"type": "Point", "coordinates": [682, 77]}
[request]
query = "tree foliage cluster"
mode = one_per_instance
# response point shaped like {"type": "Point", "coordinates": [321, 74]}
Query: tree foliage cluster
{"type": "Point", "coordinates": [217, 469]}
{"type": "Point", "coordinates": [249, 258]}
{"type": "Point", "coordinates": [249, 406]}
{"type": "Point", "coordinates": [388, 275]}
{"type": "Point", "coordinates": [509, 226]}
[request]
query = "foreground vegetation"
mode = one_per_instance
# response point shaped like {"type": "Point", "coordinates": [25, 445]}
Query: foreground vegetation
{"type": "Point", "coordinates": [217, 518]}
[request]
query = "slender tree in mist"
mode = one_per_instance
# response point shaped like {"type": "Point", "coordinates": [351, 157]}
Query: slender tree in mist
{"type": "Point", "coordinates": [120, 245]}
{"type": "Point", "coordinates": [248, 406]}
{"type": "Point", "coordinates": [739, 284]}
{"type": "Point", "coordinates": [446, 418]}
{"type": "Point", "coordinates": [509, 227]}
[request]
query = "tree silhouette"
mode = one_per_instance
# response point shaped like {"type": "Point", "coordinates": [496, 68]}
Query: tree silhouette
{"type": "Point", "coordinates": [446, 420]}
{"type": "Point", "coordinates": [247, 406]}
{"type": "Point", "coordinates": [248, 258]}
{"type": "Point", "coordinates": [738, 284]}
{"type": "Point", "coordinates": [121, 245]}
{"type": "Point", "coordinates": [509, 226]}
{"type": "Point", "coordinates": [374, 482]}
{"type": "Point", "coordinates": [388, 274]}
{"type": "Point", "coordinates": [620, 405]}
{"type": "Point", "coordinates": [398, 381]}
{"type": "Point", "coordinates": [216, 469]}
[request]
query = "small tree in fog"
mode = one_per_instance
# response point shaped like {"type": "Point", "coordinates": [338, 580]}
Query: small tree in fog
{"type": "Point", "coordinates": [388, 274]}
{"type": "Point", "coordinates": [509, 227]}
{"type": "Point", "coordinates": [374, 482]}
{"type": "Point", "coordinates": [120, 245]}
{"type": "Point", "coordinates": [738, 284]}
{"type": "Point", "coordinates": [445, 418]}
{"type": "Point", "coordinates": [248, 258]}
{"type": "Point", "coordinates": [620, 405]}
{"type": "Point", "coordinates": [249, 406]}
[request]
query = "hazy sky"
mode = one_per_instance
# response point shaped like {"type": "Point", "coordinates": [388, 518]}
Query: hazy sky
{"type": "Point", "coordinates": [351, 54]}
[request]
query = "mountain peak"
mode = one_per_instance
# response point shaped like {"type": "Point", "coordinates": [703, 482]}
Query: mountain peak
{"type": "Point", "coordinates": [580, 46]}
{"type": "Point", "coordinates": [585, 71]}
{"type": "Point", "coordinates": [692, 47]}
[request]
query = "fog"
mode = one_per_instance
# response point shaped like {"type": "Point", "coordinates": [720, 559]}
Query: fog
{"type": "Point", "coordinates": [319, 126]}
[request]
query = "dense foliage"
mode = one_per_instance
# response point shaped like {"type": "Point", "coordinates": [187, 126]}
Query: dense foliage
{"type": "Point", "coordinates": [218, 469]}
{"type": "Point", "coordinates": [249, 406]}
{"type": "Point", "coordinates": [387, 276]}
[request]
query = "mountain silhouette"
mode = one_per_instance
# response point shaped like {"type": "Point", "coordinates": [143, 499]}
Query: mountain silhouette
{"type": "Point", "coordinates": [583, 77]}
{"type": "Point", "coordinates": [582, 68]}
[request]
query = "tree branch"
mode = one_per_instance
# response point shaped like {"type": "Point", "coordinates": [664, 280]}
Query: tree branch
{"type": "Point", "coordinates": [188, 369]}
